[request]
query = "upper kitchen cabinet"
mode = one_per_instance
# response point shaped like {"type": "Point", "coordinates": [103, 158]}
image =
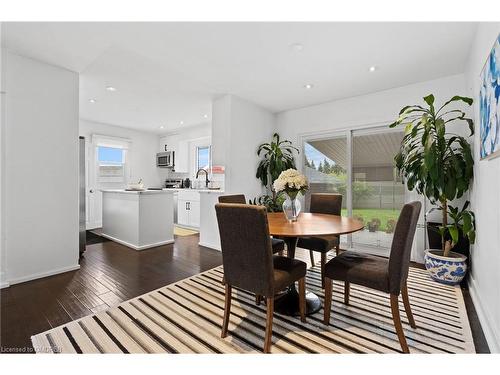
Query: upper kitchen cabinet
{"type": "Point", "coordinates": [182, 157]}
{"type": "Point", "coordinates": [165, 144]}
{"type": "Point", "coordinates": [181, 149]}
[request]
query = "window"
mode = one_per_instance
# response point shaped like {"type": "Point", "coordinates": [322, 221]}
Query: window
{"type": "Point", "coordinates": [203, 157]}
{"type": "Point", "coordinates": [111, 163]}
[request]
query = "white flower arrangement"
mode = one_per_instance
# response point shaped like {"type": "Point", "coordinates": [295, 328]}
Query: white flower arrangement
{"type": "Point", "coordinates": [291, 182]}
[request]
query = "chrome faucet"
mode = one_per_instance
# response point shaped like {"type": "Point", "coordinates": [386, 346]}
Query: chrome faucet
{"type": "Point", "coordinates": [206, 176]}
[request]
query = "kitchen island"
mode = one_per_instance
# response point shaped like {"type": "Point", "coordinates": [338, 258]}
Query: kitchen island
{"type": "Point", "coordinates": [138, 219]}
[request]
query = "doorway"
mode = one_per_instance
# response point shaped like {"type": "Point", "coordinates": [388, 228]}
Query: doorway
{"type": "Point", "coordinates": [107, 167]}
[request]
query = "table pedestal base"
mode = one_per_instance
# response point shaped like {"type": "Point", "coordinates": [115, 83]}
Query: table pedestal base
{"type": "Point", "coordinates": [288, 303]}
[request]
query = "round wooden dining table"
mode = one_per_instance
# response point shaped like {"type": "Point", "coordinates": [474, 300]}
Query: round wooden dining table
{"type": "Point", "coordinates": [307, 225]}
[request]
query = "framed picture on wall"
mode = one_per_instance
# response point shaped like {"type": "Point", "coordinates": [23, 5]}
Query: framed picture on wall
{"type": "Point", "coordinates": [489, 105]}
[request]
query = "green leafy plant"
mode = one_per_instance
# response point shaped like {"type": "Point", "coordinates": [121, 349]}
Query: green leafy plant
{"type": "Point", "coordinates": [268, 202]}
{"type": "Point", "coordinates": [277, 156]}
{"type": "Point", "coordinates": [464, 222]}
{"type": "Point", "coordinates": [391, 225]}
{"type": "Point", "coordinates": [437, 163]}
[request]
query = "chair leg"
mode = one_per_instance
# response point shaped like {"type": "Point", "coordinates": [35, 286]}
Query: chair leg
{"type": "Point", "coordinates": [302, 299]}
{"type": "Point", "coordinates": [406, 302]}
{"type": "Point", "coordinates": [347, 288]}
{"type": "Point", "coordinates": [337, 249]}
{"type": "Point", "coordinates": [269, 324]}
{"type": "Point", "coordinates": [258, 298]}
{"type": "Point", "coordinates": [311, 255]}
{"type": "Point", "coordinates": [328, 301]}
{"type": "Point", "coordinates": [397, 323]}
{"type": "Point", "coordinates": [323, 262]}
{"type": "Point", "coordinates": [227, 311]}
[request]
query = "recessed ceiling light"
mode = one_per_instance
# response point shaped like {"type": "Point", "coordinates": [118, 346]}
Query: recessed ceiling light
{"type": "Point", "coordinates": [92, 101]}
{"type": "Point", "coordinates": [205, 116]}
{"type": "Point", "coordinates": [110, 88]}
{"type": "Point", "coordinates": [372, 68]}
{"type": "Point", "coordinates": [308, 86]}
{"type": "Point", "coordinates": [161, 127]}
{"type": "Point", "coordinates": [182, 122]}
{"type": "Point", "coordinates": [297, 47]}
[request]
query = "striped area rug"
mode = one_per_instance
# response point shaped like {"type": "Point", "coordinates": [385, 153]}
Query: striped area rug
{"type": "Point", "coordinates": [186, 317]}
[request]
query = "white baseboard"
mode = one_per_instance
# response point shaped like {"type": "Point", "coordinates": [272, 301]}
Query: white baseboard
{"type": "Point", "coordinates": [43, 274]}
{"type": "Point", "coordinates": [135, 247]}
{"type": "Point", "coordinates": [492, 337]}
{"type": "Point", "coordinates": [210, 245]}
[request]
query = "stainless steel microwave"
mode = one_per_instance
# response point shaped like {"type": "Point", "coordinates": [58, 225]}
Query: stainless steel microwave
{"type": "Point", "coordinates": [165, 159]}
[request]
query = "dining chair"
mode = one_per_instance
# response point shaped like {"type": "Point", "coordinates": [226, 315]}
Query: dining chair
{"type": "Point", "coordinates": [323, 203]}
{"type": "Point", "coordinates": [277, 244]}
{"type": "Point", "coordinates": [386, 275]}
{"type": "Point", "coordinates": [249, 263]}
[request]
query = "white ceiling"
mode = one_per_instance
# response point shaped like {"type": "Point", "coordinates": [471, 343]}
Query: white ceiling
{"type": "Point", "coordinates": [166, 73]}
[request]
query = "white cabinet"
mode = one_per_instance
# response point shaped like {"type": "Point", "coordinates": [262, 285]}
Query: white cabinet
{"type": "Point", "coordinates": [182, 212]}
{"type": "Point", "coordinates": [194, 213]}
{"type": "Point", "coordinates": [181, 149]}
{"type": "Point", "coordinates": [188, 209]}
{"type": "Point", "coordinates": [182, 157]}
{"type": "Point", "coordinates": [165, 145]}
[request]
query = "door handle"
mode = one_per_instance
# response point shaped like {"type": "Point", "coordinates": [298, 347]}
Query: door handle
{"type": "Point", "coordinates": [91, 190]}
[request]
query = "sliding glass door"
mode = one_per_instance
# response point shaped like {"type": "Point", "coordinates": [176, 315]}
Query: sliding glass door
{"type": "Point", "coordinates": [326, 164]}
{"type": "Point", "coordinates": [359, 165]}
{"type": "Point", "coordinates": [377, 191]}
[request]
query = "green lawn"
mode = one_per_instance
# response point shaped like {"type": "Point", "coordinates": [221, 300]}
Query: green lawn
{"type": "Point", "coordinates": [371, 213]}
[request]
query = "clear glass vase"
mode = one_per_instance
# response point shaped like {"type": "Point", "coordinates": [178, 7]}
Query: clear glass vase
{"type": "Point", "coordinates": [291, 207]}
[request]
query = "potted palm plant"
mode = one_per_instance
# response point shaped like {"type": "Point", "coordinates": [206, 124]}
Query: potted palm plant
{"type": "Point", "coordinates": [439, 165]}
{"type": "Point", "coordinates": [277, 156]}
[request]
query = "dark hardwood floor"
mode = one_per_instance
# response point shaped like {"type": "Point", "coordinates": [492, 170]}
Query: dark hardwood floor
{"type": "Point", "coordinates": [111, 273]}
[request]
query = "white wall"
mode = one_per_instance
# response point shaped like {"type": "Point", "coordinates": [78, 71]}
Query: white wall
{"type": "Point", "coordinates": [41, 168]}
{"type": "Point", "coordinates": [238, 128]}
{"type": "Point", "coordinates": [485, 275]}
{"type": "Point", "coordinates": [142, 152]}
{"type": "Point", "coordinates": [3, 273]}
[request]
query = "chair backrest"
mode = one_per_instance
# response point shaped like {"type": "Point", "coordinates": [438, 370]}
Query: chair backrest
{"type": "Point", "coordinates": [326, 203]}
{"type": "Point", "coordinates": [246, 247]}
{"type": "Point", "coordinates": [399, 259]}
{"type": "Point", "coordinates": [236, 198]}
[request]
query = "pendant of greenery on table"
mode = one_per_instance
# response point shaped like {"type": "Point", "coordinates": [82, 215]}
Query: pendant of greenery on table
{"type": "Point", "coordinates": [438, 163]}
{"type": "Point", "coordinates": [277, 156]}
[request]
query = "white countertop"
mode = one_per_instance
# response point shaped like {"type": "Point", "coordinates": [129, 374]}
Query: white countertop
{"type": "Point", "coordinates": [163, 191]}
{"type": "Point", "coordinates": [145, 192]}
{"type": "Point", "coordinates": [197, 190]}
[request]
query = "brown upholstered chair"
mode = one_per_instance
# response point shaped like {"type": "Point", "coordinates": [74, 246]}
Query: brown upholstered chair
{"type": "Point", "coordinates": [330, 204]}
{"type": "Point", "coordinates": [277, 244]}
{"type": "Point", "coordinates": [249, 263]}
{"type": "Point", "coordinates": [386, 275]}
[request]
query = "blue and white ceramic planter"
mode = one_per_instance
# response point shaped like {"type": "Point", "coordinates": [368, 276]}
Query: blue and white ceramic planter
{"type": "Point", "coordinates": [446, 270]}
